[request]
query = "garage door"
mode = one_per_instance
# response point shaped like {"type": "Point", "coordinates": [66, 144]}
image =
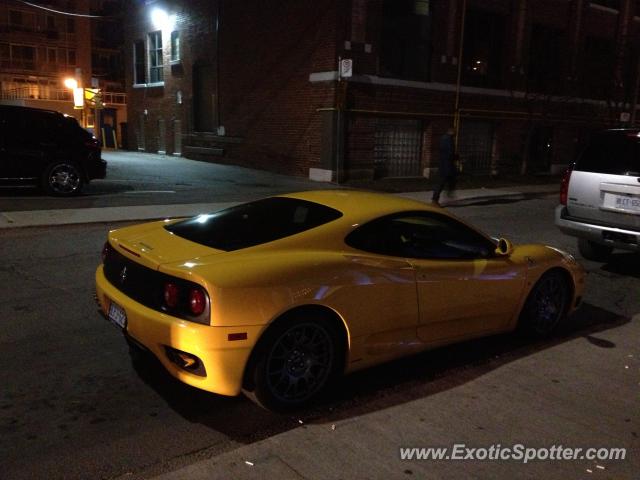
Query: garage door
{"type": "Point", "coordinates": [397, 148]}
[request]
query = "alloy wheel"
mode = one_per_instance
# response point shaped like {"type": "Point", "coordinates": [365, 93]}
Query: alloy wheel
{"type": "Point", "coordinates": [299, 362]}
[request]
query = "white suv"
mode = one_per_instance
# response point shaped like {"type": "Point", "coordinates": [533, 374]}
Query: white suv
{"type": "Point", "coordinates": [600, 195]}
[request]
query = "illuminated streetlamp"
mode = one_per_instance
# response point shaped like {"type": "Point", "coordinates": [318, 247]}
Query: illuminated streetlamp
{"type": "Point", "coordinates": [71, 83]}
{"type": "Point", "coordinates": [162, 20]}
{"type": "Point", "coordinates": [78, 92]}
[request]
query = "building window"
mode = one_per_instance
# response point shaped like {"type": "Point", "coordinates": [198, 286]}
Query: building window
{"type": "Point", "coordinates": [71, 25]}
{"type": "Point", "coordinates": [71, 57]}
{"type": "Point", "coordinates": [23, 56]}
{"type": "Point", "coordinates": [51, 22]}
{"type": "Point", "coordinates": [139, 65]}
{"type": "Point", "coordinates": [155, 57]}
{"type": "Point", "coordinates": [15, 18]}
{"type": "Point", "coordinates": [483, 50]}
{"type": "Point", "coordinates": [52, 56]}
{"type": "Point", "coordinates": [546, 54]}
{"type": "Point", "coordinates": [405, 50]}
{"type": "Point", "coordinates": [175, 46]}
{"type": "Point", "coordinates": [599, 56]}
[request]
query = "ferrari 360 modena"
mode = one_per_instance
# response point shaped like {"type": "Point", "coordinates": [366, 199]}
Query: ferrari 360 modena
{"type": "Point", "coordinates": [277, 297]}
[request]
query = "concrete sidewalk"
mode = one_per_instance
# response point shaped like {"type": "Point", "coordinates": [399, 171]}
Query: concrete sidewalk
{"type": "Point", "coordinates": [483, 408]}
{"type": "Point", "coordinates": [38, 218]}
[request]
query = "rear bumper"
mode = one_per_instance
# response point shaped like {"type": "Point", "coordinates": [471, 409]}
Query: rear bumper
{"type": "Point", "coordinates": [609, 235]}
{"type": "Point", "coordinates": [223, 360]}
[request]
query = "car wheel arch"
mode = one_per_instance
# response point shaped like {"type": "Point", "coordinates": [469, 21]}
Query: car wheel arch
{"type": "Point", "coordinates": [318, 311]}
{"type": "Point", "coordinates": [568, 278]}
{"type": "Point", "coordinates": [533, 282]}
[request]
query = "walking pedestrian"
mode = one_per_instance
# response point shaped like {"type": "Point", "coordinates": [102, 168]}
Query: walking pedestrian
{"type": "Point", "coordinates": [448, 171]}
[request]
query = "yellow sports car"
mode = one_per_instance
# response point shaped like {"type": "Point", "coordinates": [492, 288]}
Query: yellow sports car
{"type": "Point", "coordinates": [278, 296]}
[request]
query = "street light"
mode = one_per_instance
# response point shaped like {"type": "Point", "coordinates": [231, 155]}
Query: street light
{"type": "Point", "coordinates": [162, 20]}
{"type": "Point", "coordinates": [71, 83]}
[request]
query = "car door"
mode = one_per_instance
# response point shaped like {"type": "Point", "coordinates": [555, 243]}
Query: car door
{"type": "Point", "coordinates": [9, 168]}
{"type": "Point", "coordinates": [23, 156]}
{"type": "Point", "coordinates": [464, 288]}
{"type": "Point", "coordinates": [4, 167]}
{"type": "Point", "coordinates": [384, 306]}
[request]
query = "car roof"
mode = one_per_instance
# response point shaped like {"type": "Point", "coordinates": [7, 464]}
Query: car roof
{"type": "Point", "coordinates": [29, 109]}
{"type": "Point", "coordinates": [361, 205]}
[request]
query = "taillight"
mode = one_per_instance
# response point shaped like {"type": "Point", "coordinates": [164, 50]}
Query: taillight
{"type": "Point", "coordinates": [184, 299]}
{"type": "Point", "coordinates": [171, 295]}
{"type": "Point", "coordinates": [92, 143]}
{"type": "Point", "coordinates": [197, 301]}
{"type": "Point", "coordinates": [564, 186]}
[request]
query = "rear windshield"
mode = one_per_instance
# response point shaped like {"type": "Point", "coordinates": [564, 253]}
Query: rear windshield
{"type": "Point", "coordinates": [616, 153]}
{"type": "Point", "coordinates": [254, 223]}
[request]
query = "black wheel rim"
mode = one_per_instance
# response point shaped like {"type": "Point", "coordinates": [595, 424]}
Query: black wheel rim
{"type": "Point", "coordinates": [299, 362]}
{"type": "Point", "coordinates": [64, 178]}
{"type": "Point", "coordinates": [548, 304]}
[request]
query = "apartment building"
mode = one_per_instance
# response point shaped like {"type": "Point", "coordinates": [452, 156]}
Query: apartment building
{"type": "Point", "coordinates": [42, 44]}
{"type": "Point", "coordinates": [350, 89]}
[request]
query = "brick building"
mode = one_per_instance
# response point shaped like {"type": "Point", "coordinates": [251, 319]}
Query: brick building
{"type": "Point", "coordinates": [44, 43]}
{"type": "Point", "coordinates": [257, 83]}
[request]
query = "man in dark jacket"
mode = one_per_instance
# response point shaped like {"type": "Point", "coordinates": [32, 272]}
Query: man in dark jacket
{"type": "Point", "coordinates": [447, 171]}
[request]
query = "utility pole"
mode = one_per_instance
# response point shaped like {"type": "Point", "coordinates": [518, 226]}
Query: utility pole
{"type": "Point", "coordinates": [456, 110]}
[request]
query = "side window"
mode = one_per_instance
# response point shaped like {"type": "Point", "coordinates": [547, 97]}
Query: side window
{"type": "Point", "coordinates": [3, 129]}
{"type": "Point", "coordinates": [421, 235]}
{"type": "Point", "coordinates": [16, 128]}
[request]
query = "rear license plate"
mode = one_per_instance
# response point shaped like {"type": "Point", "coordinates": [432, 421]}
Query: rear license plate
{"type": "Point", "coordinates": [117, 315]}
{"type": "Point", "coordinates": [626, 203]}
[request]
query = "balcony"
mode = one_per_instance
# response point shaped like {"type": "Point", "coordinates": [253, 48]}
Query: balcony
{"type": "Point", "coordinates": [40, 92]}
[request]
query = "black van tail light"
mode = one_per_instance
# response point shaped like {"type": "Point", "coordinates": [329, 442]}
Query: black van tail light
{"type": "Point", "coordinates": [564, 185]}
{"type": "Point", "coordinates": [197, 301]}
{"type": "Point", "coordinates": [171, 295]}
{"type": "Point", "coordinates": [92, 143]}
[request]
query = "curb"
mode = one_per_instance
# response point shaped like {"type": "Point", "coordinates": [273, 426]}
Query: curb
{"type": "Point", "coordinates": [42, 218]}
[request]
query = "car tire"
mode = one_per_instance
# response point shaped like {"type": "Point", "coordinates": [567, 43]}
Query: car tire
{"type": "Point", "coordinates": [546, 305]}
{"type": "Point", "coordinates": [594, 251]}
{"type": "Point", "coordinates": [63, 179]}
{"type": "Point", "coordinates": [293, 362]}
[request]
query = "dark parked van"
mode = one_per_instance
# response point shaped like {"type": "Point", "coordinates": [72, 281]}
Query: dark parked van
{"type": "Point", "coordinates": [48, 149]}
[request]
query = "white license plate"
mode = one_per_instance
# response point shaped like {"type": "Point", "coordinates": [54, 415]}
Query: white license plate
{"type": "Point", "coordinates": [627, 203]}
{"type": "Point", "coordinates": [117, 315]}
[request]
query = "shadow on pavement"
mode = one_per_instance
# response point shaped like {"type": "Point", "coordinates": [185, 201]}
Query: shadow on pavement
{"type": "Point", "coordinates": [497, 200]}
{"type": "Point", "coordinates": [449, 367]}
{"type": "Point", "coordinates": [627, 264]}
{"type": "Point", "coordinates": [374, 389]}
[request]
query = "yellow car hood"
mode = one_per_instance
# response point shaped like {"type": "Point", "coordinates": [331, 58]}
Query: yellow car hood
{"type": "Point", "coordinates": [152, 245]}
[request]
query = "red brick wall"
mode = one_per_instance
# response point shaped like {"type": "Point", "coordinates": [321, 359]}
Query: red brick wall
{"type": "Point", "coordinates": [266, 96]}
{"type": "Point", "coordinates": [269, 107]}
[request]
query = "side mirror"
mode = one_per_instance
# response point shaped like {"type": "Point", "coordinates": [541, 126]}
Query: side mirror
{"type": "Point", "coordinates": [504, 248]}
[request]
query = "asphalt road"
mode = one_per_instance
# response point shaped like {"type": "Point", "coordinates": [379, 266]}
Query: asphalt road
{"type": "Point", "coordinates": [74, 406]}
{"type": "Point", "coordinates": [146, 179]}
